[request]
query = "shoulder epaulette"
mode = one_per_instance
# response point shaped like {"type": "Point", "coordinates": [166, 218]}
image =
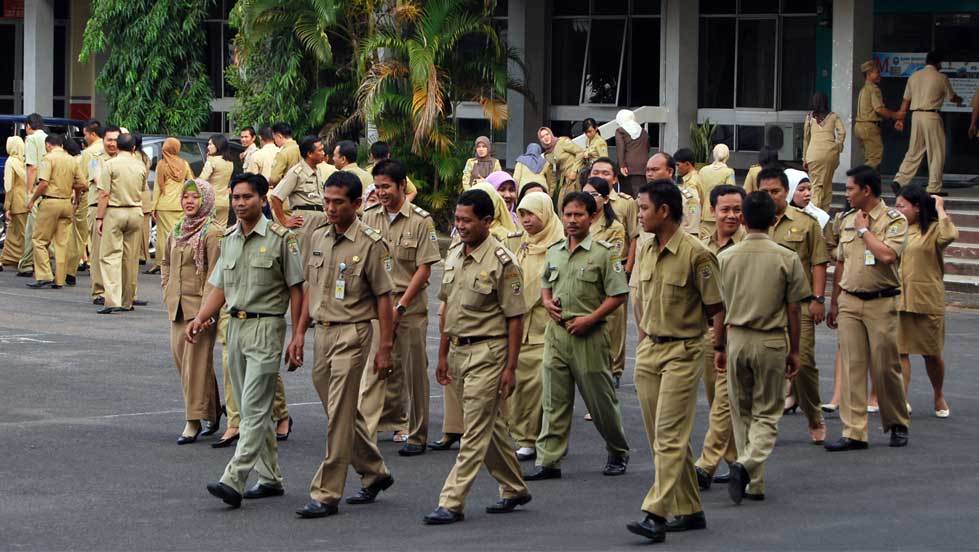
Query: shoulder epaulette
{"type": "Point", "coordinates": [605, 244]}
{"type": "Point", "coordinates": [297, 169]}
{"type": "Point", "coordinates": [372, 207]}
{"type": "Point", "coordinates": [894, 213]}
{"type": "Point", "coordinates": [557, 243]}
{"type": "Point", "coordinates": [278, 229]}
{"type": "Point", "coordinates": [455, 244]}
{"type": "Point", "coordinates": [229, 230]}
{"type": "Point", "coordinates": [421, 211]}
{"type": "Point", "coordinates": [516, 234]}
{"type": "Point", "coordinates": [848, 213]}
{"type": "Point", "coordinates": [625, 195]}
{"type": "Point", "coordinates": [371, 233]}
{"type": "Point", "coordinates": [503, 255]}
{"type": "Point", "coordinates": [687, 192]}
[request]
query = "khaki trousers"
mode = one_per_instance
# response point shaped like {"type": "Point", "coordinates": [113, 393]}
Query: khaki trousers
{"type": "Point", "coordinates": [452, 406]}
{"type": "Point", "coordinates": [26, 263]}
{"type": "Point", "coordinates": [868, 340]}
{"type": "Point", "coordinates": [616, 332]}
{"type": "Point", "coordinates": [95, 253]}
{"type": "Point", "coordinates": [524, 409]}
{"type": "Point", "coordinates": [144, 246]}
{"type": "Point", "coordinates": [719, 440]}
{"type": "Point", "coordinates": [119, 254]}
{"type": "Point", "coordinates": [13, 245]}
{"type": "Point", "coordinates": [280, 411]}
{"type": "Point", "coordinates": [927, 136]}
{"type": "Point", "coordinates": [165, 221]}
{"type": "Point", "coordinates": [52, 227]}
{"type": "Point", "coordinates": [805, 387]}
{"type": "Point", "coordinates": [341, 352]}
{"type": "Point", "coordinates": [254, 356]}
{"type": "Point", "coordinates": [195, 366]}
{"type": "Point", "coordinates": [756, 376]}
{"type": "Point", "coordinates": [667, 375]}
{"type": "Point", "coordinates": [78, 241]}
{"type": "Point", "coordinates": [821, 175]}
{"type": "Point", "coordinates": [873, 146]}
{"type": "Point", "coordinates": [475, 371]}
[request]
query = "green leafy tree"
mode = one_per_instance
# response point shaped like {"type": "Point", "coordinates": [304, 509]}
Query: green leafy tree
{"type": "Point", "coordinates": [154, 78]}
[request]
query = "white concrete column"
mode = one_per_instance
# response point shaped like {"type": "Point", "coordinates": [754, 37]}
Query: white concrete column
{"type": "Point", "coordinates": [38, 57]}
{"type": "Point", "coordinates": [853, 43]}
{"type": "Point", "coordinates": [527, 32]}
{"type": "Point", "coordinates": [679, 44]}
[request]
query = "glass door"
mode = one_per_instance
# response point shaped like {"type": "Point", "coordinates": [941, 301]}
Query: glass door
{"type": "Point", "coordinates": [11, 74]}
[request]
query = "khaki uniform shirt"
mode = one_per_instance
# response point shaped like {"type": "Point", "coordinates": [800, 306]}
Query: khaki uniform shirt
{"type": "Point", "coordinates": [123, 177]}
{"type": "Point", "coordinates": [674, 285]}
{"type": "Point", "coordinates": [412, 239]}
{"type": "Point", "coordinates": [410, 188]}
{"type": "Point", "coordinates": [324, 171]}
{"type": "Point", "coordinates": [801, 233]}
{"type": "Point", "coordinates": [365, 177]}
{"type": "Point", "coordinates": [596, 147]}
{"type": "Point", "coordinates": [613, 234]}
{"type": "Point", "coordinates": [693, 211]}
{"type": "Point", "coordinates": [257, 270]}
{"type": "Point", "coordinates": [62, 173]}
{"type": "Point", "coordinates": [928, 89]}
{"type": "Point", "coordinates": [751, 179]}
{"type": "Point", "coordinates": [300, 186]}
{"type": "Point", "coordinates": [262, 160]}
{"type": "Point", "coordinates": [184, 289]}
{"type": "Point", "coordinates": [218, 172]}
{"type": "Point", "coordinates": [868, 102]}
{"type": "Point", "coordinates": [581, 279]}
{"type": "Point", "coordinates": [716, 246]}
{"type": "Point", "coordinates": [710, 178]}
{"type": "Point", "coordinates": [34, 150]}
{"type": "Point", "coordinates": [286, 157]}
{"type": "Point", "coordinates": [923, 268]}
{"type": "Point", "coordinates": [167, 195]}
{"type": "Point", "coordinates": [481, 289]}
{"type": "Point", "coordinates": [246, 157]}
{"type": "Point", "coordinates": [92, 158]}
{"type": "Point", "coordinates": [758, 259]}
{"type": "Point", "coordinates": [346, 273]}
{"type": "Point", "coordinates": [861, 271]}
{"type": "Point", "coordinates": [627, 211]}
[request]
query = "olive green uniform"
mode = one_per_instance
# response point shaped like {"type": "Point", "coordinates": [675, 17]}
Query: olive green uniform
{"type": "Point", "coordinates": [302, 190]}
{"type": "Point", "coordinates": [256, 272]}
{"type": "Point", "coordinates": [580, 279]}
{"type": "Point", "coordinates": [52, 225]}
{"type": "Point", "coordinates": [867, 124]}
{"type": "Point", "coordinates": [627, 212]}
{"type": "Point", "coordinates": [756, 345]}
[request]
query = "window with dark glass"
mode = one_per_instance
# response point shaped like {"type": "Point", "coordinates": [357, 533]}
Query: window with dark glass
{"type": "Point", "coordinates": [758, 6]}
{"type": "Point", "coordinates": [750, 138]}
{"type": "Point", "coordinates": [756, 63]}
{"type": "Point", "coordinates": [601, 81]}
{"type": "Point", "coordinates": [798, 51]}
{"type": "Point", "coordinates": [715, 73]}
{"type": "Point", "coordinates": [571, 7]}
{"type": "Point", "coordinates": [569, 43]}
{"type": "Point", "coordinates": [800, 6]}
{"type": "Point", "coordinates": [718, 6]}
{"type": "Point", "coordinates": [642, 75]}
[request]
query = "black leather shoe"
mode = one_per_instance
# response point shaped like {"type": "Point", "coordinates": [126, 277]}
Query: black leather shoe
{"type": "Point", "coordinates": [140, 303]}
{"type": "Point", "coordinates": [411, 450]}
{"type": "Point", "coordinates": [739, 480]}
{"type": "Point", "coordinates": [615, 465]}
{"type": "Point", "coordinates": [188, 439]}
{"type": "Point", "coordinates": [446, 442]}
{"type": "Point", "coordinates": [316, 509]}
{"type": "Point", "coordinates": [542, 472]}
{"type": "Point", "coordinates": [83, 267]}
{"type": "Point", "coordinates": [264, 491]}
{"type": "Point", "coordinates": [70, 280]}
{"type": "Point", "coordinates": [369, 494]}
{"type": "Point", "coordinates": [758, 497]}
{"type": "Point", "coordinates": [153, 270]}
{"type": "Point", "coordinates": [25, 273]}
{"type": "Point", "coordinates": [226, 442]}
{"type": "Point", "coordinates": [653, 528]}
{"type": "Point", "coordinates": [441, 516]}
{"type": "Point", "coordinates": [110, 310]}
{"type": "Point", "coordinates": [41, 284]}
{"type": "Point", "coordinates": [899, 436]}
{"type": "Point", "coordinates": [507, 505]}
{"type": "Point", "coordinates": [703, 478]}
{"type": "Point", "coordinates": [225, 493]}
{"type": "Point", "coordinates": [210, 428]}
{"type": "Point", "coordinates": [285, 436]}
{"type": "Point", "coordinates": [98, 301]}
{"type": "Point", "coordinates": [529, 456]}
{"type": "Point", "coordinates": [722, 477]}
{"type": "Point", "coordinates": [845, 443]}
{"type": "Point", "coordinates": [688, 522]}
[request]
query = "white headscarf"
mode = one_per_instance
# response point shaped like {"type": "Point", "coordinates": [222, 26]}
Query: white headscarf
{"type": "Point", "coordinates": [795, 178]}
{"type": "Point", "coordinates": [627, 120]}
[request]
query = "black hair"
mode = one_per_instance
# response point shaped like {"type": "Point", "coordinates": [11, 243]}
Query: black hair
{"type": "Point", "coordinates": [56, 140]}
{"type": "Point", "coordinates": [348, 181]}
{"type": "Point", "coordinates": [380, 150]}
{"type": "Point", "coordinates": [613, 164]}
{"type": "Point", "coordinates": [257, 182]}
{"type": "Point", "coordinates": [920, 198]}
{"type": "Point", "coordinates": [391, 168]}
{"type": "Point", "coordinates": [602, 187]}
{"type": "Point", "coordinates": [581, 197]}
{"type": "Point", "coordinates": [348, 150]}
{"type": "Point", "coordinates": [126, 143]}
{"type": "Point", "coordinates": [73, 148]}
{"type": "Point", "coordinates": [664, 191]}
{"type": "Point", "coordinates": [723, 190]}
{"type": "Point", "coordinates": [221, 146]}
{"type": "Point", "coordinates": [819, 104]}
{"type": "Point", "coordinates": [111, 128]}
{"type": "Point", "coordinates": [864, 175]}
{"type": "Point", "coordinates": [266, 133]}
{"type": "Point", "coordinates": [93, 126]}
{"type": "Point", "coordinates": [767, 156]}
{"type": "Point", "coordinates": [773, 173]}
{"type": "Point", "coordinates": [527, 187]}
{"type": "Point", "coordinates": [684, 155]}
{"type": "Point", "coordinates": [801, 180]}
{"type": "Point", "coordinates": [589, 123]}
{"type": "Point", "coordinates": [35, 121]}
{"type": "Point", "coordinates": [249, 130]}
{"type": "Point", "coordinates": [670, 161]}
{"type": "Point", "coordinates": [138, 139]}
{"type": "Point", "coordinates": [480, 202]}
{"type": "Point", "coordinates": [282, 128]}
{"type": "Point", "coordinates": [308, 145]}
{"type": "Point", "coordinates": [934, 57]}
{"type": "Point", "coordinates": [758, 210]}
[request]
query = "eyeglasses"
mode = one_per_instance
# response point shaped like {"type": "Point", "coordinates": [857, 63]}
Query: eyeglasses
{"type": "Point", "coordinates": [595, 195]}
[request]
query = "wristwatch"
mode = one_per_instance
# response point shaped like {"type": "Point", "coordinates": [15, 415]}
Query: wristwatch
{"type": "Point", "coordinates": [401, 308]}
{"type": "Point", "coordinates": [862, 231]}
{"type": "Point", "coordinates": [821, 299]}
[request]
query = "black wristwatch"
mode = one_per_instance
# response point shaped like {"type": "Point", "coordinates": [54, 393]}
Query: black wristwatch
{"type": "Point", "coordinates": [821, 299]}
{"type": "Point", "coordinates": [401, 308]}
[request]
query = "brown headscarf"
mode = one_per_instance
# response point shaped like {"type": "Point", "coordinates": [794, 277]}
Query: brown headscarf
{"type": "Point", "coordinates": [170, 167]}
{"type": "Point", "coordinates": [550, 148]}
{"type": "Point", "coordinates": [484, 165]}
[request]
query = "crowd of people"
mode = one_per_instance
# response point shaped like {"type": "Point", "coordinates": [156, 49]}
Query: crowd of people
{"type": "Point", "coordinates": [726, 285]}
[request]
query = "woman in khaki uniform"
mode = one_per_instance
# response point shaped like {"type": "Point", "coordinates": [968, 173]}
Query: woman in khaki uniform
{"type": "Point", "coordinates": [217, 171]}
{"type": "Point", "coordinates": [192, 253]}
{"type": "Point", "coordinates": [712, 176]}
{"type": "Point", "coordinates": [823, 137]}
{"type": "Point", "coordinates": [767, 156]}
{"type": "Point", "coordinates": [15, 201]}
{"type": "Point", "coordinates": [596, 147]}
{"type": "Point", "coordinates": [482, 165]}
{"type": "Point", "coordinates": [921, 305]}
{"type": "Point", "coordinates": [564, 157]}
{"type": "Point", "coordinates": [531, 167]}
{"type": "Point", "coordinates": [171, 173]}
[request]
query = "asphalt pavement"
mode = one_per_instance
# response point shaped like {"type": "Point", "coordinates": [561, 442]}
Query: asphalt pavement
{"type": "Point", "coordinates": [90, 407]}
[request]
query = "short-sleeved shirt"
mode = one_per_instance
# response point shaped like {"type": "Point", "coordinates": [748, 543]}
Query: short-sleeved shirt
{"type": "Point", "coordinates": [365, 177]}
{"type": "Point", "coordinates": [801, 233]}
{"type": "Point", "coordinates": [262, 160]}
{"type": "Point", "coordinates": [868, 102]}
{"type": "Point", "coordinates": [34, 149]}
{"type": "Point", "coordinates": [246, 157]}
{"type": "Point", "coordinates": [300, 186]}
{"type": "Point", "coordinates": [692, 211]}
{"type": "Point", "coordinates": [614, 234]}
{"type": "Point", "coordinates": [627, 211]}
{"type": "Point", "coordinates": [413, 242]}
{"type": "Point", "coordinates": [481, 289]}
{"type": "Point", "coordinates": [286, 157]}
{"type": "Point", "coordinates": [861, 272]}
{"type": "Point", "coordinates": [257, 270]}
{"type": "Point", "coordinates": [674, 285]}
{"type": "Point", "coordinates": [62, 173]}
{"type": "Point", "coordinates": [92, 158]}
{"type": "Point", "coordinates": [927, 89]}
{"type": "Point", "coordinates": [346, 273]}
{"type": "Point", "coordinates": [123, 177]}
{"type": "Point", "coordinates": [758, 279]}
{"type": "Point", "coordinates": [582, 278]}
{"type": "Point", "coordinates": [712, 242]}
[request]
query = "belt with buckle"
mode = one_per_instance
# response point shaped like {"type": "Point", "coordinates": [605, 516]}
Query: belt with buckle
{"type": "Point", "coordinates": [924, 111]}
{"type": "Point", "coordinates": [463, 341]}
{"type": "Point", "coordinates": [53, 197]}
{"type": "Point", "coordinates": [870, 295]}
{"type": "Point", "coordinates": [659, 339]}
{"type": "Point", "coordinates": [870, 122]}
{"type": "Point", "coordinates": [307, 207]}
{"type": "Point", "coordinates": [327, 323]}
{"type": "Point", "coordinates": [244, 315]}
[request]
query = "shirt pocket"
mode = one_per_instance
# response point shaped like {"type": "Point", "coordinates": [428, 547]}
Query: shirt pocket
{"type": "Point", "coordinates": [478, 295]}
{"type": "Point", "coordinates": [354, 284]}
{"type": "Point", "coordinates": [406, 250]}
{"type": "Point", "coordinates": [314, 268]}
{"type": "Point", "coordinates": [674, 287]}
{"type": "Point", "coordinates": [229, 270]}
{"type": "Point", "coordinates": [261, 269]}
{"type": "Point", "coordinates": [588, 278]}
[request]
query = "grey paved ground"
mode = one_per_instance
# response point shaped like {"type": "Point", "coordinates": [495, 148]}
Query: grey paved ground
{"type": "Point", "coordinates": [90, 407]}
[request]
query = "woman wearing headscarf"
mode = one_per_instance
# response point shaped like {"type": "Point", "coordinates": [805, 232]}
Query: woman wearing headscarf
{"type": "Point", "coordinates": [921, 305]}
{"type": "Point", "coordinates": [482, 165]}
{"type": "Point", "coordinates": [800, 195]}
{"type": "Point", "coordinates": [15, 201]}
{"type": "Point", "coordinates": [632, 150]}
{"type": "Point", "coordinates": [712, 176]}
{"type": "Point", "coordinates": [564, 157]}
{"type": "Point", "coordinates": [531, 167]}
{"type": "Point", "coordinates": [596, 147]}
{"type": "Point", "coordinates": [171, 173]}
{"type": "Point", "coordinates": [542, 229]}
{"type": "Point", "coordinates": [192, 253]}
{"type": "Point", "coordinates": [503, 224]}
{"type": "Point", "coordinates": [507, 188]}
{"type": "Point", "coordinates": [823, 136]}
{"type": "Point", "coordinates": [217, 171]}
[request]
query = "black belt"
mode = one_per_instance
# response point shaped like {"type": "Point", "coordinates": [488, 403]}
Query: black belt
{"type": "Point", "coordinates": [871, 122]}
{"type": "Point", "coordinates": [307, 208]}
{"type": "Point", "coordinates": [327, 324]}
{"type": "Point", "coordinates": [660, 339]}
{"type": "Point", "coordinates": [870, 295]}
{"type": "Point", "coordinates": [242, 315]}
{"type": "Point", "coordinates": [53, 197]}
{"type": "Point", "coordinates": [124, 206]}
{"type": "Point", "coordinates": [924, 111]}
{"type": "Point", "coordinates": [463, 341]}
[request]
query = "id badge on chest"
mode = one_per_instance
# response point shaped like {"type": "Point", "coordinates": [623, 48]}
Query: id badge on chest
{"type": "Point", "coordinates": [868, 258]}
{"type": "Point", "coordinates": [340, 290]}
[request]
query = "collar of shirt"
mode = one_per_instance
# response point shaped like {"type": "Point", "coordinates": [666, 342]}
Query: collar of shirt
{"type": "Point", "coordinates": [877, 211]}
{"type": "Point", "coordinates": [757, 236]}
{"type": "Point", "coordinates": [584, 244]}
{"type": "Point", "coordinates": [674, 242]}
{"type": "Point", "coordinates": [261, 228]}
{"type": "Point", "coordinates": [269, 146]}
{"type": "Point", "coordinates": [788, 214]}
{"type": "Point", "coordinates": [350, 235]}
{"type": "Point", "coordinates": [404, 211]}
{"type": "Point", "coordinates": [613, 195]}
{"type": "Point", "coordinates": [738, 235]}
{"type": "Point", "coordinates": [480, 252]}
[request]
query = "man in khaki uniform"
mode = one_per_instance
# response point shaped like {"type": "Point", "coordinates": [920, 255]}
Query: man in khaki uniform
{"type": "Point", "coordinates": [719, 441]}
{"type": "Point", "coordinates": [758, 360]}
{"type": "Point", "coordinates": [302, 189]}
{"type": "Point", "coordinates": [924, 94]}
{"type": "Point", "coordinates": [81, 225]}
{"type": "Point", "coordinates": [675, 292]}
{"type": "Point", "coordinates": [871, 242]}
{"type": "Point", "coordinates": [95, 157]}
{"type": "Point", "coordinates": [262, 160]}
{"type": "Point", "coordinates": [481, 327]}
{"type": "Point", "coordinates": [247, 138]}
{"type": "Point", "coordinates": [379, 151]}
{"type": "Point", "coordinates": [870, 112]}
{"type": "Point", "coordinates": [288, 154]}
{"type": "Point", "coordinates": [34, 152]}
{"type": "Point", "coordinates": [119, 221]}
{"type": "Point", "coordinates": [800, 232]}
{"type": "Point", "coordinates": [345, 159]}
{"type": "Point", "coordinates": [59, 181]}
{"type": "Point", "coordinates": [662, 166]}
{"type": "Point", "coordinates": [410, 233]}
{"type": "Point", "coordinates": [689, 175]}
